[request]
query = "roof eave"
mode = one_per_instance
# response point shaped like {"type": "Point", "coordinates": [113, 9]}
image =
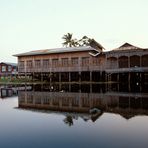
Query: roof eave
{"type": "Point", "coordinates": [88, 48]}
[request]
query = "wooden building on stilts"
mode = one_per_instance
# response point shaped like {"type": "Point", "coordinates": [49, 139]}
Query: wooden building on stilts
{"type": "Point", "coordinates": [89, 64]}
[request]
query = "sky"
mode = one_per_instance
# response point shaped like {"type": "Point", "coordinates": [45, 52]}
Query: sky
{"type": "Point", "coordinates": [27, 25]}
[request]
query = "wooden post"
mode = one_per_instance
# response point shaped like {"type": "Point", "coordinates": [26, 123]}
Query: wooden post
{"type": "Point", "coordinates": [90, 76]}
{"type": "Point", "coordinates": [118, 77]}
{"type": "Point", "coordinates": [79, 76]}
{"type": "Point", "coordinates": [129, 81]}
{"type": "Point", "coordinates": [69, 87]}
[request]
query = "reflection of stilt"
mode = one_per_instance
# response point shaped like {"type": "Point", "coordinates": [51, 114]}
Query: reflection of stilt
{"type": "Point", "coordinates": [69, 88]}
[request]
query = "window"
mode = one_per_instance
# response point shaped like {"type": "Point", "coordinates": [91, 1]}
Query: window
{"type": "Point", "coordinates": [21, 64]}
{"type": "Point", "coordinates": [54, 62]}
{"type": "Point", "coordinates": [29, 64]}
{"type": "Point", "coordinates": [144, 61]}
{"type": "Point", "coordinates": [30, 99]}
{"type": "Point", "coordinates": [134, 61]}
{"type": "Point", "coordinates": [9, 68]}
{"type": "Point", "coordinates": [65, 62]}
{"type": "Point", "coordinates": [123, 62]}
{"type": "Point", "coordinates": [46, 63]}
{"type": "Point", "coordinates": [75, 102]}
{"type": "Point", "coordinates": [112, 63]}
{"type": "Point", "coordinates": [37, 63]}
{"type": "Point", "coordinates": [46, 100]}
{"type": "Point", "coordinates": [96, 61]}
{"type": "Point", "coordinates": [3, 68]}
{"type": "Point", "coordinates": [85, 61]}
{"type": "Point", "coordinates": [74, 61]}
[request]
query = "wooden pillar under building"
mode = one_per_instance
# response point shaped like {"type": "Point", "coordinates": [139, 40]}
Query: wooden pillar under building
{"type": "Point", "coordinates": [140, 61]}
{"type": "Point", "coordinates": [90, 76]}
{"type": "Point", "coordinates": [106, 77]}
{"type": "Point", "coordinates": [140, 82]}
{"type": "Point", "coordinates": [128, 62]}
{"type": "Point", "coordinates": [118, 77]}
{"type": "Point", "coordinates": [100, 76]}
{"type": "Point", "coordinates": [79, 76]}
{"type": "Point", "coordinates": [42, 81]}
{"type": "Point", "coordinates": [129, 81]}
{"type": "Point", "coordinates": [69, 87]}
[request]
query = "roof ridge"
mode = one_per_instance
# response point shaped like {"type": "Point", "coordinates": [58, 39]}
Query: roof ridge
{"type": "Point", "coordinates": [127, 46]}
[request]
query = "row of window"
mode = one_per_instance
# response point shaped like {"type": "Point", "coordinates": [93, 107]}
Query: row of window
{"type": "Point", "coordinates": [5, 68]}
{"type": "Point", "coordinates": [86, 102]}
{"type": "Point", "coordinates": [112, 62]}
{"type": "Point", "coordinates": [56, 62]}
{"type": "Point", "coordinates": [125, 62]}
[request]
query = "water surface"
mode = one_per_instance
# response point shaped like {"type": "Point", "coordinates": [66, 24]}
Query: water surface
{"type": "Point", "coordinates": [36, 119]}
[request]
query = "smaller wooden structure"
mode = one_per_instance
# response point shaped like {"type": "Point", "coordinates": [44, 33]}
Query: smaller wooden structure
{"type": "Point", "coordinates": [8, 69]}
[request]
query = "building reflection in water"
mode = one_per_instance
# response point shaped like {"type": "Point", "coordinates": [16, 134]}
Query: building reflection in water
{"type": "Point", "coordinates": [83, 104]}
{"type": "Point", "coordinates": [10, 91]}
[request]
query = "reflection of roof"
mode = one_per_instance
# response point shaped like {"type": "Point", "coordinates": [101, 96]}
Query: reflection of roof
{"type": "Point", "coordinates": [73, 114]}
{"type": "Point", "coordinates": [128, 113]}
{"type": "Point", "coordinates": [128, 116]}
{"type": "Point", "coordinates": [127, 46]}
{"type": "Point", "coordinates": [56, 50]}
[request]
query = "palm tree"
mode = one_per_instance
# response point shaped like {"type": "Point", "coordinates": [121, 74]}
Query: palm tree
{"type": "Point", "coordinates": [68, 120]}
{"type": "Point", "coordinates": [85, 41]}
{"type": "Point", "coordinates": [69, 41]}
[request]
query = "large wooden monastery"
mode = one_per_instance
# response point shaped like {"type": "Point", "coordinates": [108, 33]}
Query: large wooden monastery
{"type": "Point", "coordinates": [127, 63]}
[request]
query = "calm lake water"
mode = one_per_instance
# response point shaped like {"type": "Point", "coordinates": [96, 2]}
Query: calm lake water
{"type": "Point", "coordinates": [43, 119]}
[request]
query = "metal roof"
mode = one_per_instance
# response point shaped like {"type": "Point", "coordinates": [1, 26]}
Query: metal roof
{"type": "Point", "coordinates": [12, 64]}
{"type": "Point", "coordinates": [56, 50]}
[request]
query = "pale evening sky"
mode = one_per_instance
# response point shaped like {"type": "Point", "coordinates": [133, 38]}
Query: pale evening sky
{"type": "Point", "coordinates": [27, 25]}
